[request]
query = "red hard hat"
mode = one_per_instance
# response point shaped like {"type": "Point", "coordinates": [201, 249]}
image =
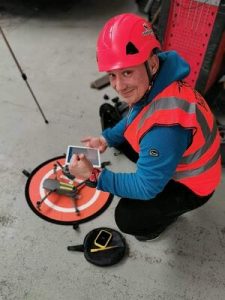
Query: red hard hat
{"type": "Point", "coordinates": [126, 40]}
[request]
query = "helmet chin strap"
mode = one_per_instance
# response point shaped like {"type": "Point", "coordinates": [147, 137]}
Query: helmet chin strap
{"type": "Point", "coordinates": [150, 76]}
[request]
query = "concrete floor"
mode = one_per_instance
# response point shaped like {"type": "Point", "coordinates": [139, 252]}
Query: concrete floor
{"type": "Point", "coordinates": [56, 48]}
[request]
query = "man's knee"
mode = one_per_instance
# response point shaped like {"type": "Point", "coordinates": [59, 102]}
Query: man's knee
{"type": "Point", "coordinates": [135, 216]}
{"type": "Point", "coordinates": [122, 216]}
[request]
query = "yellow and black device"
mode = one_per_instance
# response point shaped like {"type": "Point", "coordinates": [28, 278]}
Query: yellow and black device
{"type": "Point", "coordinates": [102, 246]}
{"type": "Point", "coordinates": [103, 238]}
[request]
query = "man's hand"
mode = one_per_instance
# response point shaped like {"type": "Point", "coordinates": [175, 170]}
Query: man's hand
{"type": "Point", "coordinates": [80, 166]}
{"type": "Point", "coordinates": [95, 142]}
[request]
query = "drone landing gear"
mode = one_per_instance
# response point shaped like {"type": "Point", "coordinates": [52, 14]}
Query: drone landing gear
{"type": "Point", "coordinates": [39, 203]}
{"type": "Point", "coordinates": [62, 188]}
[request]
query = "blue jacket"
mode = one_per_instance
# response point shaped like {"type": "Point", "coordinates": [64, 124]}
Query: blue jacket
{"type": "Point", "coordinates": [153, 171]}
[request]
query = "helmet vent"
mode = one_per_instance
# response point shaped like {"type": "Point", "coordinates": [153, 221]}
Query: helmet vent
{"type": "Point", "coordinates": [131, 49]}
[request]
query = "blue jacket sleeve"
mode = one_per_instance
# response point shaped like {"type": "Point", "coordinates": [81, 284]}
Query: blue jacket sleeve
{"type": "Point", "coordinates": [114, 136]}
{"type": "Point", "coordinates": [160, 151]}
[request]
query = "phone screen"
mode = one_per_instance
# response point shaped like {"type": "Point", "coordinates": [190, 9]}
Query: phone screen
{"type": "Point", "coordinates": [92, 154]}
{"type": "Point", "coordinates": [103, 238]}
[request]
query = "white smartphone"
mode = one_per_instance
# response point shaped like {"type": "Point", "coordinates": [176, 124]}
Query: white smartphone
{"type": "Point", "coordinates": [91, 153]}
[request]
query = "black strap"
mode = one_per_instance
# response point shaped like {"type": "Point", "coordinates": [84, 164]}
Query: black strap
{"type": "Point", "coordinates": [79, 248]}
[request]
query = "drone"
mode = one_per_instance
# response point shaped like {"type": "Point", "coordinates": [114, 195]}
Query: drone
{"type": "Point", "coordinates": [62, 188]}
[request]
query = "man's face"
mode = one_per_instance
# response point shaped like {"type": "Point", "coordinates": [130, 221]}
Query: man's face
{"type": "Point", "coordinates": [130, 83]}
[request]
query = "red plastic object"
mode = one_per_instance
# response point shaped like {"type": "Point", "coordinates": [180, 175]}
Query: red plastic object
{"type": "Point", "coordinates": [217, 64]}
{"type": "Point", "coordinates": [188, 31]}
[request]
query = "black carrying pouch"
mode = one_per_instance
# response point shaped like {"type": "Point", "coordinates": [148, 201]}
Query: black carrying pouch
{"type": "Point", "coordinates": [109, 255]}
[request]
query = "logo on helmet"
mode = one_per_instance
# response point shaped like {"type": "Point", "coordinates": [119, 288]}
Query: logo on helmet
{"type": "Point", "coordinates": [147, 29]}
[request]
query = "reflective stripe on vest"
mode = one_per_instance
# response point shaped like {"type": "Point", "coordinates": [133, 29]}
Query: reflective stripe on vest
{"type": "Point", "coordinates": [166, 104]}
{"type": "Point", "coordinates": [209, 136]}
{"type": "Point", "coordinates": [172, 103]}
{"type": "Point", "coordinates": [183, 174]}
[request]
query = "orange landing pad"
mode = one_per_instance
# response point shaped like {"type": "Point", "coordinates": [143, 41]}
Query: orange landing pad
{"type": "Point", "coordinates": [60, 209]}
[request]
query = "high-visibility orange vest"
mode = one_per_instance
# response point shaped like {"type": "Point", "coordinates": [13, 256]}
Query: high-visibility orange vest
{"type": "Point", "coordinates": [178, 104]}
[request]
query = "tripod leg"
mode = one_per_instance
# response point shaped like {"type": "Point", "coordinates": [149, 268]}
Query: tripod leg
{"type": "Point", "coordinates": [24, 76]}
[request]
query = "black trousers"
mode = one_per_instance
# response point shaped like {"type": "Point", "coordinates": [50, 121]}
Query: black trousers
{"type": "Point", "coordinates": [141, 217]}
